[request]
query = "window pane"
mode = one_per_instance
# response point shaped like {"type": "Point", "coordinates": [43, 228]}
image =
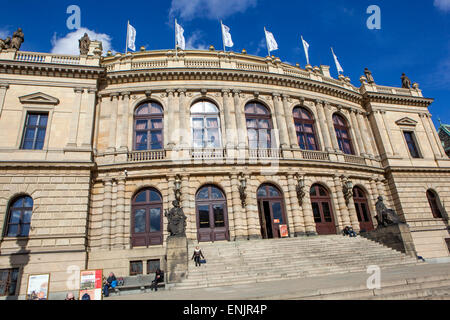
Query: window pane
{"type": "Point", "coordinates": [316, 211]}
{"type": "Point", "coordinates": [216, 193]}
{"type": "Point", "coordinates": [33, 119]}
{"type": "Point", "coordinates": [24, 230]}
{"type": "Point", "coordinates": [15, 216]}
{"type": "Point", "coordinates": [326, 212]}
{"type": "Point", "coordinates": [262, 192]}
{"type": "Point", "coordinates": [40, 135]}
{"type": "Point", "coordinates": [143, 110]}
{"type": "Point", "coordinates": [29, 134]}
{"type": "Point", "coordinates": [365, 212]}
{"type": "Point", "coordinates": [322, 192]}
{"type": "Point", "coordinates": [203, 213]}
{"type": "Point", "coordinates": [273, 192]}
{"type": "Point", "coordinates": [277, 212]}
{"type": "Point", "coordinates": [252, 123]}
{"type": "Point", "coordinates": [156, 109]}
{"type": "Point", "coordinates": [152, 266]}
{"type": "Point", "coordinates": [264, 124]}
{"type": "Point", "coordinates": [154, 197]}
{"type": "Point", "coordinates": [26, 218]}
{"type": "Point", "coordinates": [139, 221]}
{"type": "Point", "coordinates": [358, 212]}
{"type": "Point", "coordinates": [43, 120]}
{"type": "Point", "coordinates": [141, 197]}
{"type": "Point", "coordinates": [203, 194]}
{"type": "Point", "coordinates": [28, 202]}
{"type": "Point", "coordinates": [219, 216]}
{"type": "Point", "coordinates": [313, 191]}
{"type": "Point", "coordinates": [155, 220]}
{"type": "Point", "coordinates": [141, 125]}
{"type": "Point", "coordinates": [136, 268]}
{"type": "Point", "coordinates": [213, 138]}
{"type": "Point", "coordinates": [157, 124]}
{"type": "Point", "coordinates": [197, 123]}
{"type": "Point", "coordinates": [13, 230]}
{"type": "Point", "coordinates": [141, 138]}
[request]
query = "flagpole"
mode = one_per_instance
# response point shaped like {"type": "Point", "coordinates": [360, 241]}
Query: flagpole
{"type": "Point", "coordinates": [267, 43]}
{"type": "Point", "coordinates": [223, 40]}
{"type": "Point", "coordinates": [128, 29]}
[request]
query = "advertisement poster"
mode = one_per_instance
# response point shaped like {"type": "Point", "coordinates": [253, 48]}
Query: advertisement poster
{"type": "Point", "coordinates": [91, 285]}
{"type": "Point", "coordinates": [284, 231]}
{"type": "Point", "coordinates": [38, 287]}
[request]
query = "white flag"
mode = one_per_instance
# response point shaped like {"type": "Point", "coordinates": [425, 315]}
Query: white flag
{"type": "Point", "coordinates": [179, 35]}
{"type": "Point", "coordinates": [306, 47]}
{"type": "Point", "coordinates": [131, 41]}
{"type": "Point", "coordinates": [271, 42]}
{"type": "Point", "coordinates": [338, 65]}
{"type": "Point", "coordinates": [227, 40]}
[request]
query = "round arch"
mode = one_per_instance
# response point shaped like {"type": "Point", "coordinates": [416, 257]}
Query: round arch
{"type": "Point", "coordinates": [147, 218]}
{"type": "Point", "coordinates": [148, 126]}
{"type": "Point", "coordinates": [19, 215]}
{"type": "Point", "coordinates": [272, 210]}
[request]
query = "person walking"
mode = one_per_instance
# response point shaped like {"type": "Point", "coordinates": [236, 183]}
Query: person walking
{"type": "Point", "coordinates": [197, 255]}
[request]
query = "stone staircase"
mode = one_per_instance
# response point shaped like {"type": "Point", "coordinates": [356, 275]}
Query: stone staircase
{"type": "Point", "coordinates": [245, 262]}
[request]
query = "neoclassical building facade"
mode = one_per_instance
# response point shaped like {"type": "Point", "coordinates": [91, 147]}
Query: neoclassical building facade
{"type": "Point", "coordinates": [94, 150]}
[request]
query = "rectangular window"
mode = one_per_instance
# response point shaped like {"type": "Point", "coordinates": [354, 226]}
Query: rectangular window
{"type": "Point", "coordinates": [34, 132]}
{"type": "Point", "coordinates": [136, 268]}
{"type": "Point", "coordinates": [8, 281]}
{"type": "Point", "coordinates": [152, 265]}
{"type": "Point", "coordinates": [411, 142]}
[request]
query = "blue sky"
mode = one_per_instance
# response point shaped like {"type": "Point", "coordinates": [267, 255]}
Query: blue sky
{"type": "Point", "coordinates": [414, 36]}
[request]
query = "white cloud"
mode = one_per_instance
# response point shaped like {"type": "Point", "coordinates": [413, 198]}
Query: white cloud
{"type": "Point", "coordinates": [4, 33]}
{"type": "Point", "coordinates": [194, 42]}
{"type": "Point", "coordinates": [210, 9]}
{"type": "Point", "coordinates": [70, 45]}
{"type": "Point", "coordinates": [443, 5]}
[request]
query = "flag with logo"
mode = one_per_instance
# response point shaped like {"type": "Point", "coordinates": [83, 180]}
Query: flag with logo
{"type": "Point", "coordinates": [272, 44]}
{"type": "Point", "coordinates": [131, 37]}
{"type": "Point", "coordinates": [338, 65]}
{"type": "Point", "coordinates": [179, 36]}
{"type": "Point", "coordinates": [227, 40]}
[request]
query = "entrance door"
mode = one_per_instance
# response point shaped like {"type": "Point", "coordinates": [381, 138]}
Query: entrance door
{"type": "Point", "coordinates": [271, 211]}
{"type": "Point", "coordinates": [322, 210]}
{"type": "Point", "coordinates": [362, 210]}
{"type": "Point", "coordinates": [212, 216]}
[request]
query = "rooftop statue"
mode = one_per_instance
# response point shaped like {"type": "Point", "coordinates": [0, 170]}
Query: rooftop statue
{"type": "Point", "coordinates": [385, 216]}
{"type": "Point", "coordinates": [5, 44]}
{"type": "Point", "coordinates": [177, 220]}
{"type": "Point", "coordinates": [369, 76]}
{"type": "Point", "coordinates": [17, 39]}
{"type": "Point", "coordinates": [85, 43]}
{"type": "Point", "coordinates": [406, 83]}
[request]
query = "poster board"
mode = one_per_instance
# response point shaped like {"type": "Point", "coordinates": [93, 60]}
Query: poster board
{"type": "Point", "coordinates": [37, 286]}
{"type": "Point", "coordinates": [91, 282]}
{"type": "Point", "coordinates": [284, 233]}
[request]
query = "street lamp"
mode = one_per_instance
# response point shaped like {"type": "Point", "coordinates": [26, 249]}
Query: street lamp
{"type": "Point", "coordinates": [300, 188]}
{"type": "Point", "coordinates": [242, 188]}
{"type": "Point", "coordinates": [178, 188]}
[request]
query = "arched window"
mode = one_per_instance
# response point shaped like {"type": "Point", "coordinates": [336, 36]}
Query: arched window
{"type": "Point", "coordinates": [19, 217]}
{"type": "Point", "coordinates": [343, 134]}
{"type": "Point", "coordinates": [149, 127]}
{"type": "Point", "coordinates": [259, 126]}
{"type": "Point", "coordinates": [205, 125]}
{"type": "Point", "coordinates": [433, 200]}
{"type": "Point", "coordinates": [147, 219]}
{"type": "Point", "coordinates": [322, 210]}
{"type": "Point", "coordinates": [362, 209]}
{"type": "Point", "coordinates": [304, 126]}
{"type": "Point", "coordinates": [212, 216]}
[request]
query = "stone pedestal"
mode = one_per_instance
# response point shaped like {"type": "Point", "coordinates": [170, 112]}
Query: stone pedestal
{"type": "Point", "coordinates": [177, 259]}
{"type": "Point", "coordinates": [397, 237]}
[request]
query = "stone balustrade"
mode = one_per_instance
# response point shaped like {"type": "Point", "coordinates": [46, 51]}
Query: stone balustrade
{"type": "Point", "coordinates": [34, 57]}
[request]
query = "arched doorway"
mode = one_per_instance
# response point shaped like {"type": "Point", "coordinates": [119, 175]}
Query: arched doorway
{"type": "Point", "coordinates": [433, 200]}
{"type": "Point", "coordinates": [362, 210]}
{"type": "Point", "coordinates": [272, 212]}
{"type": "Point", "coordinates": [212, 215]}
{"type": "Point", "coordinates": [322, 210]}
{"type": "Point", "coordinates": [147, 221]}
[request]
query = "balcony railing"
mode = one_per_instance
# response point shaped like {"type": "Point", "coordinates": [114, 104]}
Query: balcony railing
{"type": "Point", "coordinates": [152, 155]}
{"type": "Point", "coordinates": [265, 153]}
{"type": "Point", "coordinates": [208, 153]}
{"type": "Point", "coordinates": [315, 155]}
{"type": "Point", "coordinates": [354, 159]}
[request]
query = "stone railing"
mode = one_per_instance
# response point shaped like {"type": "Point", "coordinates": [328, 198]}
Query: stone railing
{"type": "Point", "coordinates": [147, 65]}
{"type": "Point", "coordinates": [265, 153]}
{"type": "Point", "coordinates": [354, 159]}
{"type": "Point", "coordinates": [41, 58]}
{"type": "Point", "coordinates": [315, 155]}
{"type": "Point", "coordinates": [138, 156]}
{"type": "Point", "coordinates": [208, 153]}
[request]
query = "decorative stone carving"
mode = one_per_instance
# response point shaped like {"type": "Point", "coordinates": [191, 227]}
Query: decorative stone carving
{"type": "Point", "coordinates": [406, 83]}
{"type": "Point", "coordinates": [385, 217]}
{"type": "Point", "coordinates": [177, 220]}
{"type": "Point", "coordinates": [84, 44]}
{"type": "Point", "coordinates": [5, 44]}
{"type": "Point", "coordinates": [17, 39]}
{"type": "Point", "coordinates": [369, 76]}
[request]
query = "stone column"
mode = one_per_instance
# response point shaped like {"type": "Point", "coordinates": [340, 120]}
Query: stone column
{"type": "Point", "coordinates": [374, 194]}
{"type": "Point", "coordinates": [345, 215]}
{"type": "Point", "coordinates": [113, 107]}
{"type": "Point", "coordinates": [123, 135]}
{"type": "Point", "coordinates": [329, 116]}
{"type": "Point", "coordinates": [281, 122]}
{"type": "Point", "coordinates": [171, 118]}
{"type": "Point", "coordinates": [106, 215]}
{"type": "Point", "coordinates": [120, 217]}
{"type": "Point", "coordinates": [183, 115]}
{"type": "Point", "coordinates": [308, 215]}
{"type": "Point", "coordinates": [389, 132]}
{"type": "Point", "coordinates": [251, 209]}
{"type": "Point", "coordinates": [240, 221]}
{"type": "Point", "coordinates": [298, 219]}
{"type": "Point", "coordinates": [382, 131]}
{"type": "Point", "coordinates": [365, 134]}
{"type": "Point", "coordinates": [322, 123]}
{"type": "Point", "coordinates": [98, 110]}
{"type": "Point", "coordinates": [74, 121]}
{"type": "Point", "coordinates": [230, 125]}
{"type": "Point", "coordinates": [371, 135]}
{"type": "Point", "coordinates": [240, 120]}
{"type": "Point", "coordinates": [191, 223]}
{"type": "Point", "coordinates": [434, 134]}
{"type": "Point", "coordinates": [288, 116]}
{"type": "Point", "coordinates": [3, 89]}
{"type": "Point", "coordinates": [358, 132]}
{"type": "Point", "coordinates": [89, 125]}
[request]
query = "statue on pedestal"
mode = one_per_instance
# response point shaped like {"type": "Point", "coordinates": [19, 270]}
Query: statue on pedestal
{"type": "Point", "coordinates": [5, 44]}
{"type": "Point", "coordinates": [385, 217]}
{"type": "Point", "coordinates": [17, 39]}
{"type": "Point", "coordinates": [406, 83]}
{"type": "Point", "coordinates": [177, 220]}
{"type": "Point", "coordinates": [369, 77]}
{"type": "Point", "coordinates": [85, 43]}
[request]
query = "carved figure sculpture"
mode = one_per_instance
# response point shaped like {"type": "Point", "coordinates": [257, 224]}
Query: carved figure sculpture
{"type": "Point", "coordinates": [177, 220]}
{"type": "Point", "coordinates": [385, 217]}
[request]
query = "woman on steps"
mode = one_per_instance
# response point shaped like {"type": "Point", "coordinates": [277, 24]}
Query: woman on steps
{"type": "Point", "coordinates": [196, 256]}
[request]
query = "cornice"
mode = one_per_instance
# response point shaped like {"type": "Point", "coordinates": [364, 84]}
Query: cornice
{"type": "Point", "coordinates": [369, 97]}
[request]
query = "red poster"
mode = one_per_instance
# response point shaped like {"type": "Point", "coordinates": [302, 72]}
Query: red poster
{"type": "Point", "coordinates": [284, 231]}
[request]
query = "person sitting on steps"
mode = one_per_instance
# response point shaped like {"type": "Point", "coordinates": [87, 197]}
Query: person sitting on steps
{"type": "Point", "coordinates": [348, 231]}
{"type": "Point", "coordinates": [196, 256]}
{"type": "Point", "coordinates": [159, 277]}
